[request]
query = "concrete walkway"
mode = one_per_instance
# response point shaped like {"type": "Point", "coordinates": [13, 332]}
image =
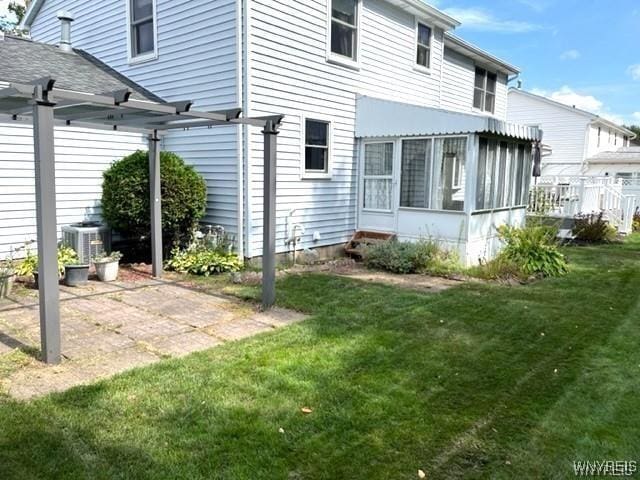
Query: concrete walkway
{"type": "Point", "coordinates": [108, 328]}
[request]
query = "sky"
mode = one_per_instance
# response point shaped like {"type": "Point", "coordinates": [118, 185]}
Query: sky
{"type": "Point", "coordinates": [580, 52]}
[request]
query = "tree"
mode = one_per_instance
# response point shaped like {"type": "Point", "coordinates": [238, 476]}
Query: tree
{"type": "Point", "coordinates": [9, 23]}
{"type": "Point", "coordinates": [635, 129]}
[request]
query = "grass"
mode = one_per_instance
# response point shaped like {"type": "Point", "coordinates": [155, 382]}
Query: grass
{"type": "Point", "coordinates": [480, 381]}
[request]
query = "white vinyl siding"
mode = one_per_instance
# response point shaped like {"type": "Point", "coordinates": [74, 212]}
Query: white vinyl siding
{"type": "Point", "coordinates": [81, 157]}
{"type": "Point", "coordinates": [290, 75]}
{"type": "Point", "coordinates": [197, 51]}
{"type": "Point", "coordinates": [458, 86]}
{"type": "Point", "coordinates": [564, 131]}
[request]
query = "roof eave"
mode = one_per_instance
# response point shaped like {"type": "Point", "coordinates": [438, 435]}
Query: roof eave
{"type": "Point", "coordinates": [459, 45]}
{"type": "Point", "coordinates": [421, 9]}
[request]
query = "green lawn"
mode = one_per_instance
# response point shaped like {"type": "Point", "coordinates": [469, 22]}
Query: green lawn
{"type": "Point", "coordinates": [480, 381]}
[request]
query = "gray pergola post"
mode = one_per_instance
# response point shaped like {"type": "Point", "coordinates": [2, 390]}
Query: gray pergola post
{"type": "Point", "coordinates": [155, 205]}
{"type": "Point", "coordinates": [269, 220]}
{"type": "Point", "coordinates": [48, 277]}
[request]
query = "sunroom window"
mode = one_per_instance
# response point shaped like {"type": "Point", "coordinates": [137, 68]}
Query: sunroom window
{"type": "Point", "coordinates": [433, 173]}
{"type": "Point", "coordinates": [504, 173]}
{"type": "Point", "coordinates": [344, 28]}
{"type": "Point", "coordinates": [378, 176]}
{"type": "Point", "coordinates": [484, 93]}
{"type": "Point", "coordinates": [142, 29]}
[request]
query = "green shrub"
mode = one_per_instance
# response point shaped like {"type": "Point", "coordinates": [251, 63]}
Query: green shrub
{"type": "Point", "coordinates": [203, 261]}
{"type": "Point", "coordinates": [593, 229]}
{"type": "Point", "coordinates": [423, 256]}
{"type": "Point", "coordinates": [500, 268]}
{"type": "Point", "coordinates": [125, 196]}
{"type": "Point", "coordinates": [636, 221]}
{"type": "Point", "coordinates": [533, 250]}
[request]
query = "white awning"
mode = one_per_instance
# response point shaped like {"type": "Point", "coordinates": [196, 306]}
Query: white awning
{"type": "Point", "coordinates": [384, 118]}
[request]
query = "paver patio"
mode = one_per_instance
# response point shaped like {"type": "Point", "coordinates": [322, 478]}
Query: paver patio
{"type": "Point", "coordinates": [111, 327]}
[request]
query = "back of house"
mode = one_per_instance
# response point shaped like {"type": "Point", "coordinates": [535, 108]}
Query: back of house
{"type": "Point", "coordinates": [391, 122]}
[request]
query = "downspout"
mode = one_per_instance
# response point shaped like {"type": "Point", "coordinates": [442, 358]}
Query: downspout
{"type": "Point", "coordinates": [246, 163]}
{"type": "Point", "coordinates": [239, 131]}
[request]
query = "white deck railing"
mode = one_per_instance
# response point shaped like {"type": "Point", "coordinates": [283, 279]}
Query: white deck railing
{"type": "Point", "coordinates": [571, 196]}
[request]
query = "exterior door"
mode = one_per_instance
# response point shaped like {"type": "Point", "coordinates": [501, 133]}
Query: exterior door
{"type": "Point", "coordinates": [378, 185]}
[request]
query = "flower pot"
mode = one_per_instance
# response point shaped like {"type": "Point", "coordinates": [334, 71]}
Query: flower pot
{"type": "Point", "coordinates": [7, 278]}
{"type": "Point", "coordinates": [107, 271]}
{"type": "Point", "coordinates": [76, 275]}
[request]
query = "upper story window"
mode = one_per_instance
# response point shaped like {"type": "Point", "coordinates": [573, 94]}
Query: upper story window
{"type": "Point", "coordinates": [142, 29]}
{"type": "Point", "coordinates": [344, 28]}
{"type": "Point", "coordinates": [484, 94]}
{"type": "Point", "coordinates": [317, 148]}
{"type": "Point", "coordinates": [423, 56]}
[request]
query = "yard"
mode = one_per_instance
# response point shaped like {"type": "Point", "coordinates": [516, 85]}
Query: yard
{"type": "Point", "coordinates": [477, 381]}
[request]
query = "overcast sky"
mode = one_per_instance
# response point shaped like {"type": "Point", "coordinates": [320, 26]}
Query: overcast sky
{"type": "Point", "coordinates": [580, 52]}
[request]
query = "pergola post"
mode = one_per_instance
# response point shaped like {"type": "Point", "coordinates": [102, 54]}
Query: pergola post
{"type": "Point", "coordinates": [155, 205]}
{"type": "Point", "coordinates": [48, 277]}
{"type": "Point", "coordinates": [269, 220]}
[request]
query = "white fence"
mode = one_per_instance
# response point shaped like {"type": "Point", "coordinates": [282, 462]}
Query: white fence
{"type": "Point", "coordinates": [571, 196]}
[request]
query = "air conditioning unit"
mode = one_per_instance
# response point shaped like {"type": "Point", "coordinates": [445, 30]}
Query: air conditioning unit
{"type": "Point", "coordinates": [88, 239]}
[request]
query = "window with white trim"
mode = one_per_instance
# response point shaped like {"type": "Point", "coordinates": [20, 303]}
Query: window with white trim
{"type": "Point", "coordinates": [317, 135]}
{"type": "Point", "coordinates": [433, 173]}
{"type": "Point", "coordinates": [484, 92]}
{"type": "Point", "coordinates": [344, 28]}
{"type": "Point", "coordinates": [423, 55]}
{"type": "Point", "coordinates": [378, 176]}
{"type": "Point", "coordinates": [142, 31]}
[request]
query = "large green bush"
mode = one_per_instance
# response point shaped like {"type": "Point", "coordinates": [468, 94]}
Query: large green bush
{"type": "Point", "coordinates": [423, 256]}
{"type": "Point", "coordinates": [533, 250]}
{"type": "Point", "coordinates": [125, 196]}
{"type": "Point", "coordinates": [593, 228]}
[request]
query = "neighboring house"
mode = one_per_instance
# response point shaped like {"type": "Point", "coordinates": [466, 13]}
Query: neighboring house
{"type": "Point", "coordinates": [391, 123]}
{"type": "Point", "coordinates": [578, 140]}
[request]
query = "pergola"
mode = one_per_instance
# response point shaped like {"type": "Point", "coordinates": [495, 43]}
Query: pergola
{"type": "Point", "coordinates": [45, 106]}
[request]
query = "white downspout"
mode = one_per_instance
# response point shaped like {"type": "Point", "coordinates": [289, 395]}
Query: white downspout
{"type": "Point", "coordinates": [239, 131]}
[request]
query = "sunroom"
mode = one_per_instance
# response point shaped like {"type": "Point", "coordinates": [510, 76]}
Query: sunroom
{"type": "Point", "coordinates": [434, 174]}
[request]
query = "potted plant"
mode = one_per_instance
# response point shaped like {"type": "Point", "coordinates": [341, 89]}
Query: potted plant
{"type": "Point", "coordinates": [76, 274]}
{"type": "Point", "coordinates": [66, 256]}
{"type": "Point", "coordinates": [107, 266]}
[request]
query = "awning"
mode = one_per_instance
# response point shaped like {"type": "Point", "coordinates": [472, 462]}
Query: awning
{"type": "Point", "coordinates": [384, 118]}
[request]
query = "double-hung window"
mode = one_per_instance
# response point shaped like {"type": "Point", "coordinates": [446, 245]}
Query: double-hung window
{"type": "Point", "coordinates": [484, 93]}
{"type": "Point", "coordinates": [378, 176]}
{"type": "Point", "coordinates": [344, 29]}
{"type": "Point", "coordinates": [317, 145]}
{"type": "Point", "coordinates": [423, 54]}
{"type": "Point", "coordinates": [142, 29]}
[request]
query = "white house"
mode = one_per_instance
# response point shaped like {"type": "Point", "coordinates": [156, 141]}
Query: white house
{"type": "Point", "coordinates": [581, 143]}
{"type": "Point", "coordinates": [391, 123]}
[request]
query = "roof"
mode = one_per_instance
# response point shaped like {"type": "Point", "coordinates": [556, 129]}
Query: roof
{"type": "Point", "coordinates": [384, 118]}
{"type": "Point", "coordinates": [626, 155]}
{"type": "Point", "coordinates": [416, 7]}
{"type": "Point", "coordinates": [423, 10]}
{"type": "Point", "coordinates": [592, 116]}
{"type": "Point", "coordinates": [480, 56]}
{"type": "Point", "coordinates": [23, 60]}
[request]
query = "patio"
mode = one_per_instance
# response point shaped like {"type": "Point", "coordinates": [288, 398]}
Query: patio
{"type": "Point", "coordinates": [108, 328]}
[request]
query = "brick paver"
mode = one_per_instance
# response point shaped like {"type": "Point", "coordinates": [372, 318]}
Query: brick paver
{"type": "Point", "coordinates": [108, 328]}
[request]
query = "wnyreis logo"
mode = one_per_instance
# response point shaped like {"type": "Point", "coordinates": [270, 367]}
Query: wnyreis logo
{"type": "Point", "coordinates": [605, 468]}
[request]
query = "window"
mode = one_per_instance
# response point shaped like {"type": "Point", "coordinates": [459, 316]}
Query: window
{"type": "Point", "coordinates": [615, 138]}
{"type": "Point", "coordinates": [378, 176]}
{"type": "Point", "coordinates": [433, 173]}
{"type": "Point", "coordinates": [484, 93]}
{"type": "Point", "coordinates": [142, 32]}
{"type": "Point", "coordinates": [344, 28]}
{"type": "Point", "coordinates": [316, 147]}
{"type": "Point", "coordinates": [504, 174]}
{"type": "Point", "coordinates": [625, 141]}
{"type": "Point", "coordinates": [599, 132]}
{"type": "Point", "coordinates": [423, 56]}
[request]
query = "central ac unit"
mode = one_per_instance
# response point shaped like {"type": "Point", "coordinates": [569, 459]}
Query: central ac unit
{"type": "Point", "coordinates": [88, 239]}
